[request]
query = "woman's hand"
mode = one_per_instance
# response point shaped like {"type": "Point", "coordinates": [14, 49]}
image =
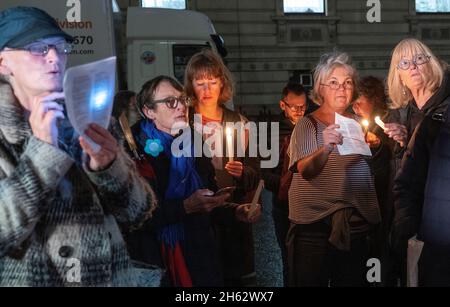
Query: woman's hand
{"type": "Point", "coordinates": [372, 140]}
{"type": "Point", "coordinates": [397, 132]}
{"type": "Point", "coordinates": [331, 137]}
{"type": "Point", "coordinates": [44, 116]}
{"type": "Point", "coordinates": [235, 168]}
{"type": "Point", "coordinates": [246, 214]}
{"type": "Point", "coordinates": [203, 200]}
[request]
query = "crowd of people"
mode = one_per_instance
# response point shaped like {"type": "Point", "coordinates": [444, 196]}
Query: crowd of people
{"type": "Point", "coordinates": [137, 213]}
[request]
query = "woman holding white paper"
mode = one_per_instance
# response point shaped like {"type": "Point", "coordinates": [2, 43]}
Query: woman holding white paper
{"type": "Point", "coordinates": [332, 200]}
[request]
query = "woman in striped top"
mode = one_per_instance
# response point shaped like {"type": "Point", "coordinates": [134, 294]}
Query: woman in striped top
{"type": "Point", "coordinates": [332, 200]}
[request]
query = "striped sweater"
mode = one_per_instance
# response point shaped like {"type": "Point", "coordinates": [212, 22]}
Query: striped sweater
{"type": "Point", "coordinates": [59, 221]}
{"type": "Point", "coordinates": [344, 182]}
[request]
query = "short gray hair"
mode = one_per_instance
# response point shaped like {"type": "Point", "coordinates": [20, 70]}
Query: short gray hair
{"type": "Point", "coordinates": [327, 63]}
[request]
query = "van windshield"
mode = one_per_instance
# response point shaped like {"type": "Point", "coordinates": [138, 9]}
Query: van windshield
{"type": "Point", "coordinates": [181, 56]}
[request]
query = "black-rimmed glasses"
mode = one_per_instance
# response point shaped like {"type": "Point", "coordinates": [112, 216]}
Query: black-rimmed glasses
{"type": "Point", "coordinates": [172, 102]}
{"type": "Point", "coordinates": [295, 108]}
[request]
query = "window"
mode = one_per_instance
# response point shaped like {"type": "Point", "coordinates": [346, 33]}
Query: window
{"type": "Point", "coordinates": [304, 6]}
{"type": "Point", "coordinates": [168, 4]}
{"type": "Point", "coordinates": [433, 6]}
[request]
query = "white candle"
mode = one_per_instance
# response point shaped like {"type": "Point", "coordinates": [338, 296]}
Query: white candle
{"type": "Point", "coordinates": [379, 122]}
{"type": "Point", "coordinates": [229, 134]}
{"type": "Point", "coordinates": [254, 204]}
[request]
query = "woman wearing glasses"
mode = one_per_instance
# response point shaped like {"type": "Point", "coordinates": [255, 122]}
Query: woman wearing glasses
{"type": "Point", "coordinates": [179, 237]}
{"type": "Point", "coordinates": [420, 84]}
{"type": "Point", "coordinates": [332, 201]}
{"type": "Point", "coordinates": [209, 84]}
{"type": "Point", "coordinates": [417, 83]}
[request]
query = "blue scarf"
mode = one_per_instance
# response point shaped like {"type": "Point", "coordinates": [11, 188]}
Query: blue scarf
{"type": "Point", "coordinates": [183, 178]}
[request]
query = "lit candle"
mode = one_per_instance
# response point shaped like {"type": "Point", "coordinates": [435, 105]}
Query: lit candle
{"type": "Point", "coordinates": [365, 124]}
{"type": "Point", "coordinates": [230, 150]}
{"type": "Point", "coordinates": [379, 122]}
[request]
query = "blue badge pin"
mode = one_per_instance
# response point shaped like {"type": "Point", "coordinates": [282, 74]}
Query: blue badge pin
{"type": "Point", "coordinates": [153, 147]}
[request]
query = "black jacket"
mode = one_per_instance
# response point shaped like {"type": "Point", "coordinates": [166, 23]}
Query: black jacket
{"type": "Point", "coordinates": [410, 183]}
{"type": "Point", "coordinates": [251, 173]}
{"type": "Point", "coordinates": [200, 246]}
{"type": "Point", "coordinates": [272, 176]}
{"type": "Point", "coordinates": [411, 115]}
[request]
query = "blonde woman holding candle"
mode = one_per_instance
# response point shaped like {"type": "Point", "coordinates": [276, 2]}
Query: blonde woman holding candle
{"type": "Point", "coordinates": [418, 85]}
{"type": "Point", "coordinates": [332, 201]}
{"type": "Point", "coordinates": [209, 84]}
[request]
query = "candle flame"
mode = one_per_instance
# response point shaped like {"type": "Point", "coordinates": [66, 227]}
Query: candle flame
{"type": "Point", "coordinates": [365, 123]}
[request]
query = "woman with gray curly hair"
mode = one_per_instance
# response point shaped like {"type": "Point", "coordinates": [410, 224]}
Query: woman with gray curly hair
{"type": "Point", "coordinates": [332, 200]}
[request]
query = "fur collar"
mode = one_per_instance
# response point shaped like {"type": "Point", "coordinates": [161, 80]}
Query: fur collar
{"type": "Point", "coordinates": [13, 124]}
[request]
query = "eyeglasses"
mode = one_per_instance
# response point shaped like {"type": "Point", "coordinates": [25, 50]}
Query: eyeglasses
{"type": "Point", "coordinates": [295, 108]}
{"type": "Point", "coordinates": [42, 49]}
{"type": "Point", "coordinates": [334, 85]}
{"type": "Point", "coordinates": [418, 59]}
{"type": "Point", "coordinates": [172, 102]}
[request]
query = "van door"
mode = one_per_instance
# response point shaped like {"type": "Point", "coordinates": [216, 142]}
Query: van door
{"type": "Point", "coordinates": [146, 60]}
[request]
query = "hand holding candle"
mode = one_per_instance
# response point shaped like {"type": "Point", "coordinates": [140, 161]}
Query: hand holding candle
{"type": "Point", "coordinates": [254, 205]}
{"type": "Point", "coordinates": [365, 124]}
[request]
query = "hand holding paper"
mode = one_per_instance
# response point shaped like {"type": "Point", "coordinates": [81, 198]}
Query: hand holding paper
{"type": "Point", "coordinates": [109, 148]}
{"type": "Point", "coordinates": [353, 137]}
{"type": "Point", "coordinates": [89, 91]}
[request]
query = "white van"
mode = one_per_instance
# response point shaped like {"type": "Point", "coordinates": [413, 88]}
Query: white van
{"type": "Point", "coordinates": [161, 42]}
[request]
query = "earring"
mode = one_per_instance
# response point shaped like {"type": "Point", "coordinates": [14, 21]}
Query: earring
{"type": "Point", "coordinates": [404, 91]}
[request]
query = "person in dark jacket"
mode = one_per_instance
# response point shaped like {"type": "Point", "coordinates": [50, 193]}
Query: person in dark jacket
{"type": "Point", "coordinates": [293, 103]}
{"type": "Point", "coordinates": [180, 236]}
{"type": "Point", "coordinates": [208, 83]}
{"type": "Point", "coordinates": [372, 102]}
{"type": "Point", "coordinates": [419, 86]}
{"type": "Point", "coordinates": [422, 198]}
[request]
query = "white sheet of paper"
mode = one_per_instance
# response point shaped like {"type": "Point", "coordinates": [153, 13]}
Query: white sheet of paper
{"type": "Point", "coordinates": [354, 142]}
{"type": "Point", "coordinates": [89, 91]}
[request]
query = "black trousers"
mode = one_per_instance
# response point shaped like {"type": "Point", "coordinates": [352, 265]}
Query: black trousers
{"type": "Point", "coordinates": [314, 262]}
{"type": "Point", "coordinates": [434, 266]}
{"type": "Point", "coordinates": [281, 224]}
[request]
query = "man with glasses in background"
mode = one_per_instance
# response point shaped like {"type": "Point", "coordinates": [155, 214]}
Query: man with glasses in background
{"type": "Point", "coordinates": [294, 104]}
{"type": "Point", "coordinates": [60, 201]}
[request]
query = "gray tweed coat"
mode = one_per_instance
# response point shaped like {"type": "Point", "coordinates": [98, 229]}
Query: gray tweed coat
{"type": "Point", "coordinates": [59, 221]}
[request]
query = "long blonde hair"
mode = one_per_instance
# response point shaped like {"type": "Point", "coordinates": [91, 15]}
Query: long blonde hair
{"type": "Point", "coordinates": [398, 93]}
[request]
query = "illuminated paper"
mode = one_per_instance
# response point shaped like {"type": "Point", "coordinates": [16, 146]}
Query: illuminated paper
{"type": "Point", "coordinates": [89, 94]}
{"type": "Point", "coordinates": [354, 142]}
